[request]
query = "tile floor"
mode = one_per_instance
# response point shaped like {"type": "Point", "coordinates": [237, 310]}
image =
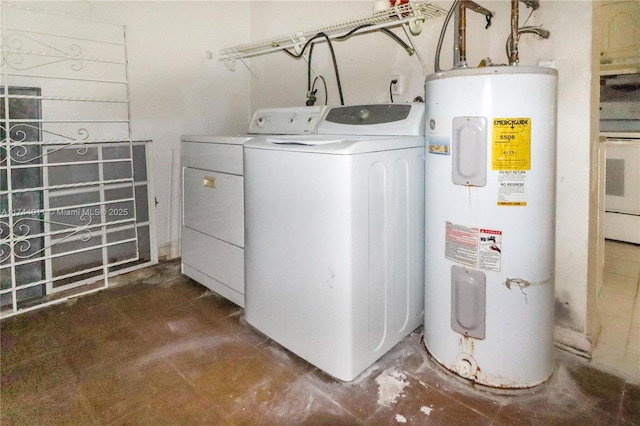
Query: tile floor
{"type": "Point", "coordinates": [162, 350]}
{"type": "Point", "coordinates": [618, 346]}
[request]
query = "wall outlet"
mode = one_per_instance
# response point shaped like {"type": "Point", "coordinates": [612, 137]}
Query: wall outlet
{"type": "Point", "coordinates": [396, 88]}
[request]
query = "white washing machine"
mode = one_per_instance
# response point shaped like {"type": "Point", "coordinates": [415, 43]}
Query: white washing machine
{"type": "Point", "coordinates": [335, 235]}
{"type": "Point", "coordinates": [213, 198]}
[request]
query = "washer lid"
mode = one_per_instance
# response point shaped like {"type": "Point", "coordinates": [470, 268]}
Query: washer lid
{"type": "Point", "coordinates": [228, 140]}
{"type": "Point", "coordinates": [307, 141]}
{"type": "Point", "coordinates": [335, 145]}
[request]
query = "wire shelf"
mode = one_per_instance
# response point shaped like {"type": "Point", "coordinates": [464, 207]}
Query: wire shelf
{"type": "Point", "coordinates": [412, 13]}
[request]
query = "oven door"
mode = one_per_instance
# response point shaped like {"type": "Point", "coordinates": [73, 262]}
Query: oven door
{"type": "Point", "coordinates": [622, 194]}
{"type": "Point", "coordinates": [623, 176]}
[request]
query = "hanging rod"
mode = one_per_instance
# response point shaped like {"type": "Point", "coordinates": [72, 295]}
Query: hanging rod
{"type": "Point", "coordinates": [413, 14]}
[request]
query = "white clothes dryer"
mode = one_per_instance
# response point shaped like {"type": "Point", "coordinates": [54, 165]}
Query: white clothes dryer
{"type": "Point", "coordinates": [334, 241]}
{"type": "Point", "coordinates": [213, 198]}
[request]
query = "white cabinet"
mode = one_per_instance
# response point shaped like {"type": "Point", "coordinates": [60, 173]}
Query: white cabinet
{"type": "Point", "coordinates": [213, 213]}
{"type": "Point", "coordinates": [619, 23]}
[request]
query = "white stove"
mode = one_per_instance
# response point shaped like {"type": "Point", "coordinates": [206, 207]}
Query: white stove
{"type": "Point", "coordinates": [620, 124]}
{"type": "Point", "coordinates": [622, 186]}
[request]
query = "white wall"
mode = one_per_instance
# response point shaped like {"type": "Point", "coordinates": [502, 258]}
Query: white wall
{"type": "Point", "coordinates": [175, 88]}
{"type": "Point", "coordinates": [571, 50]}
{"type": "Point", "coordinates": [367, 62]}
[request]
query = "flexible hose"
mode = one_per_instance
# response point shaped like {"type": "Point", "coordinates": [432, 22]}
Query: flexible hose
{"type": "Point", "coordinates": [393, 36]}
{"type": "Point", "coordinates": [333, 58]}
{"type": "Point", "coordinates": [324, 83]}
{"type": "Point", "coordinates": [391, 90]}
{"type": "Point", "coordinates": [309, 69]}
{"type": "Point", "coordinates": [350, 33]}
{"type": "Point", "coordinates": [398, 40]}
{"type": "Point", "coordinates": [335, 67]}
{"type": "Point", "coordinates": [526, 30]}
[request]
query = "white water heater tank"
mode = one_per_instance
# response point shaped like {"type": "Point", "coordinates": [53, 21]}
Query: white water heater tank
{"type": "Point", "coordinates": [490, 223]}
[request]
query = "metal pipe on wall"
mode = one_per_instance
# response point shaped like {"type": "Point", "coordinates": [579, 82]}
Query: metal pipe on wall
{"type": "Point", "coordinates": [513, 42]}
{"type": "Point", "coordinates": [460, 39]}
{"type": "Point", "coordinates": [462, 35]}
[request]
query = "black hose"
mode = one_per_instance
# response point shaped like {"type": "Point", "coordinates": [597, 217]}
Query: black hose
{"type": "Point", "coordinates": [393, 36]}
{"type": "Point", "coordinates": [324, 83]}
{"type": "Point", "coordinates": [293, 55]}
{"type": "Point", "coordinates": [299, 55]}
{"type": "Point", "coordinates": [397, 39]}
{"type": "Point", "coordinates": [311, 88]}
{"type": "Point", "coordinates": [333, 58]}
{"type": "Point", "coordinates": [309, 68]}
{"type": "Point", "coordinates": [350, 33]}
{"type": "Point", "coordinates": [335, 67]}
{"type": "Point", "coordinates": [391, 90]}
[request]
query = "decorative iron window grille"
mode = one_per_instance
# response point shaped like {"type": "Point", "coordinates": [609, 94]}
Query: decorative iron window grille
{"type": "Point", "coordinates": [68, 193]}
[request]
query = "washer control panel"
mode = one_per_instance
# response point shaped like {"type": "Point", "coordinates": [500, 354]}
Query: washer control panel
{"type": "Point", "coordinates": [402, 119]}
{"type": "Point", "coordinates": [286, 121]}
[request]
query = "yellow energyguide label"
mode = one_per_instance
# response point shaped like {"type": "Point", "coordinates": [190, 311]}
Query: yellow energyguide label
{"type": "Point", "coordinates": [511, 144]}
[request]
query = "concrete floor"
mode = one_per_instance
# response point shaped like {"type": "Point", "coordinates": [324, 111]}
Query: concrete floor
{"type": "Point", "coordinates": [160, 349]}
{"type": "Point", "coordinates": [618, 346]}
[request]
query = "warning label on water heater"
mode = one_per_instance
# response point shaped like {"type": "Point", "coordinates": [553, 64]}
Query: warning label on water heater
{"type": "Point", "coordinates": [511, 144]}
{"type": "Point", "coordinates": [512, 188]}
{"type": "Point", "coordinates": [475, 247]}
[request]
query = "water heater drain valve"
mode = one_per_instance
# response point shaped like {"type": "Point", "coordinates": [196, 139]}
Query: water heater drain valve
{"type": "Point", "coordinates": [466, 366]}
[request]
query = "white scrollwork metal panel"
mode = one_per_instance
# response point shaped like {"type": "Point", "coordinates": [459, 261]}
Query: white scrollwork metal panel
{"type": "Point", "coordinates": [67, 190]}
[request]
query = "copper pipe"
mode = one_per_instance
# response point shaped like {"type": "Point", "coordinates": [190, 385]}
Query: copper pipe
{"type": "Point", "coordinates": [461, 45]}
{"type": "Point", "coordinates": [462, 34]}
{"type": "Point", "coordinates": [469, 4]}
{"type": "Point", "coordinates": [515, 18]}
